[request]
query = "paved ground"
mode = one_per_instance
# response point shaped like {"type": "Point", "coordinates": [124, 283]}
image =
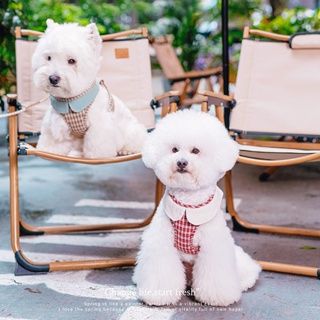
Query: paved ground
{"type": "Point", "coordinates": [56, 193]}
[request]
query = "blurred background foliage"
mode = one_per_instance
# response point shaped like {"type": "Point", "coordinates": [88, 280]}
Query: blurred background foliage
{"type": "Point", "coordinates": [195, 24]}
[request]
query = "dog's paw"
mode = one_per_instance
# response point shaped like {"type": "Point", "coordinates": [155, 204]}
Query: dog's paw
{"type": "Point", "coordinates": [159, 297]}
{"type": "Point", "coordinates": [75, 153]}
{"type": "Point", "coordinates": [219, 289]}
{"type": "Point", "coordinates": [217, 299]}
{"type": "Point", "coordinates": [248, 280]}
{"type": "Point", "coordinates": [159, 288]}
{"type": "Point", "coordinates": [125, 152]}
{"type": "Point", "coordinates": [248, 269]}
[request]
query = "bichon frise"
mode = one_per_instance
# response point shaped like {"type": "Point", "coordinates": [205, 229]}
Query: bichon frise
{"type": "Point", "coordinates": [188, 237]}
{"type": "Point", "coordinates": [85, 119]}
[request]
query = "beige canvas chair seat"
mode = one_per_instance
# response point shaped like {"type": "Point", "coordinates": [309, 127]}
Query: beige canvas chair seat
{"type": "Point", "coordinates": [265, 153]}
{"type": "Point", "coordinates": [276, 95]}
{"type": "Point", "coordinates": [126, 70]}
{"type": "Point", "coordinates": [186, 83]}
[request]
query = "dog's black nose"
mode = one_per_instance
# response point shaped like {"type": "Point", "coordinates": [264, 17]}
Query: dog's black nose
{"type": "Point", "coordinates": [182, 163]}
{"type": "Point", "coordinates": [54, 79]}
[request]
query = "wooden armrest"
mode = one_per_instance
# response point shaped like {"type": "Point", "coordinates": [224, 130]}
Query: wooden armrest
{"type": "Point", "coordinates": [266, 34]}
{"type": "Point", "coordinates": [26, 32]}
{"type": "Point", "coordinates": [140, 32]}
{"type": "Point", "coordinates": [219, 99]}
{"type": "Point", "coordinates": [167, 101]}
{"type": "Point", "coordinates": [203, 73]}
{"type": "Point", "coordinates": [167, 95]}
{"type": "Point", "coordinates": [215, 95]}
{"type": "Point", "coordinates": [193, 75]}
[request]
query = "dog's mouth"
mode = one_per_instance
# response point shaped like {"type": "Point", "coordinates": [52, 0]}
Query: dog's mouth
{"type": "Point", "coordinates": [182, 171]}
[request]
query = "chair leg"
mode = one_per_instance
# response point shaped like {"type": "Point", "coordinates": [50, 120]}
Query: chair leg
{"type": "Point", "coordinates": [27, 230]}
{"type": "Point", "coordinates": [264, 176]}
{"type": "Point", "coordinates": [243, 225]}
{"type": "Point", "coordinates": [290, 269]}
{"type": "Point", "coordinates": [240, 224]}
{"type": "Point", "coordinates": [25, 266]}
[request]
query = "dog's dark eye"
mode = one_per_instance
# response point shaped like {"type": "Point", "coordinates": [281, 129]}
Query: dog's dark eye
{"type": "Point", "coordinates": [71, 61]}
{"type": "Point", "coordinates": [49, 58]}
{"type": "Point", "coordinates": [174, 150]}
{"type": "Point", "coordinates": [195, 151]}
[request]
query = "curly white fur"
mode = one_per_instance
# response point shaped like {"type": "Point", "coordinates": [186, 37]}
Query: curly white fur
{"type": "Point", "coordinates": [221, 270]}
{"type": "Point", "coordinates": [73, 54]}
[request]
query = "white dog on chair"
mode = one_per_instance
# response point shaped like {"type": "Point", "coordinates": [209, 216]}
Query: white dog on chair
{"type": "Point", "coordinates": [188, 242]}
{"type": "Point", "coordinates": [85, 119]}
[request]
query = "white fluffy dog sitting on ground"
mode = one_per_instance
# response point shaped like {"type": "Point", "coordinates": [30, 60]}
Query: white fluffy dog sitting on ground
{"type": "Point", "coordinates": [85, 119]}
{"type": "Point", "coordinates": [188, 242]}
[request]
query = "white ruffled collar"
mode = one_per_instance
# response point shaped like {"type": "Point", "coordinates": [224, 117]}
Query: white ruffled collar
{"type": "Point", "coordinates": [196, 216]}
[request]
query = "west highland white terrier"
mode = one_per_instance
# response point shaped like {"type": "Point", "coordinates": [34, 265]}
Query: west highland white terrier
{"type": "Point", "coordinates": [85, 119]}
{"type": "Point", "coordinates": [188, 242]}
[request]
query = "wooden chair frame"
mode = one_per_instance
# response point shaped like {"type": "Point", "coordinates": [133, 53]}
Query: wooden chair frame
{"type": "Point", "coordinates": [187, 83]}
{"type": "Point", "coordinates": [19, 147]}
{"type": "Point", "coordinates": [239, 224]}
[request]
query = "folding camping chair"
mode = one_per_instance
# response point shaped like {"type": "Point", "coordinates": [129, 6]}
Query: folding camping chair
{"type": "Point", "coordinates": [117, 70]}
{"type": "Point", "coordinates": [186, 83]}
{"type": "Point", "coordinates": [276, 94]}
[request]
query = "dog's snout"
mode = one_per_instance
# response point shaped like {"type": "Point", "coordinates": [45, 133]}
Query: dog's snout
{"type": "Point", "coordinates": [182, 163]}
{"type": "Point", "coordinates": [54, 79]}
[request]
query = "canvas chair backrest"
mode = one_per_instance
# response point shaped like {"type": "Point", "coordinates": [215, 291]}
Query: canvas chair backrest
{"type": "Point", "coordinates": [277, 88]}
{"type": "Point", "coordinates": [30, 120]}
{"type": "Point", "coordinates": [169, 62]}
{"type": "Point", "coordinates": [125, 69]}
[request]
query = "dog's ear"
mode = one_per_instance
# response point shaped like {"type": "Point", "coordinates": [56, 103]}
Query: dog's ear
{"type": "Point", "coordinates": [227, 154]}
{"type": "Point", "coordinates": [149, 151]}
{"type": "Point", "coordinates": [94, 33]}
{"type": "Point", "coordinates": [50, 23]}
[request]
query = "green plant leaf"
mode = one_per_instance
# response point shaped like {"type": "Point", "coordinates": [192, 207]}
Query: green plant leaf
{"type": "Point", "coordinates": [308, 248]}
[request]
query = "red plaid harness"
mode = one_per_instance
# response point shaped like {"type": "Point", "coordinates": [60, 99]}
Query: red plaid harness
{"type": "Point", "coordinates": [184, 231]}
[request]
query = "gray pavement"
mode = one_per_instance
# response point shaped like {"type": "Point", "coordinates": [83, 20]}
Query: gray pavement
{"type": "Point", "coordinates": [55, 192]}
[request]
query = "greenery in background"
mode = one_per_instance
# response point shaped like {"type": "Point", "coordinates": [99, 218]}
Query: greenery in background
{"type": "Point", "coordinates": [32, 14]}
{"type": "Point", "coordinates": [292, 21]}
{"type": "Point", "coordinates": [182, 19]}
{"type": "Point", "coordinates": [196, 28]}
{"type": "Point", "coordinates": [7, 61]}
